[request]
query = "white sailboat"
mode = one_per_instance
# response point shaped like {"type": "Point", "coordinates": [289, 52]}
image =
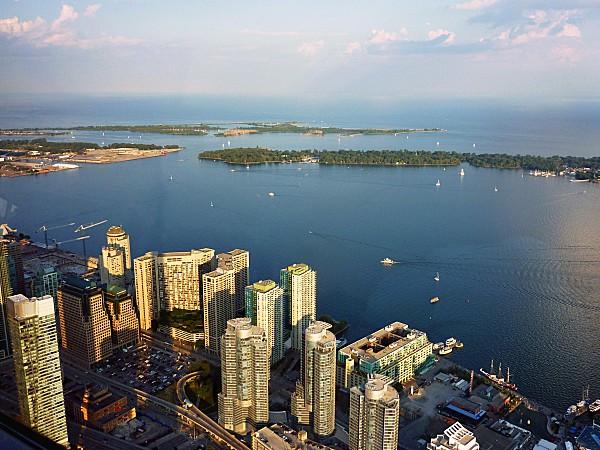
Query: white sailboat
{"type": "Point", "coordinates": [438, 183]}
{"type": "Point", "coordinates": [211, 204]}
{"type": "Point", "coordinates": [171, 177]}
{"type": "Point", "coordinates": [495, 189]}
{"type": "Point", "coordinates": [462, 172]}
{"type": "Point", "coordinates": [437, 277]}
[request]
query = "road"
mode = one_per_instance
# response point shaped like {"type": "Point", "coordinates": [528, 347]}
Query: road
{"type": "Point", "coordinates": [167, 343]}
{"type": "Point", "coordinates": [194, 415]}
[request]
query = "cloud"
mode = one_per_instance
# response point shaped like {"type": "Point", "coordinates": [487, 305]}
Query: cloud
{"type": "Point", "coordinates": [448, 35]}
{"type": "Point", "coordinates": [67, 14]}
{"type": "Point", "coordinates": [385, 37]}
{"type": "Point", "coordinates": [475, 4]}
{"type": "Point", "coordinates": [92, 9]}
{"type": "Point", "coordinates": [353, 47]}
{"type": "Point", "coordinates": [270, 33]}
{"type": "Point", "coordinates": [570, 30]}
{"type": "Point", "coordinates": [15, 27]}
{"type": "Point", "coordinates": [310, 48]}
{"type": "Point", "coordinates": [566, 54]}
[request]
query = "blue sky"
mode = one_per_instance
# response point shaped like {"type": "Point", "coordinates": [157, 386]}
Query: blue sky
{"type": "Point", "coordinates": [365, 49]}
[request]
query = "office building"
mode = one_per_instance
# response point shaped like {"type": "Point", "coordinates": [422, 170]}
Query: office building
{"type": "Point", "coordinates": [220, 305]}
{"type": "Point", "coordinates": [46, 282]}
{"type": "Point", "coordinates": [117, 238]}
{"type": "Point", "coordinates": [238, 261]}
{"type": "Point", "coordinates": [12, 249]}
{"type": "Point", "coordinates": [455, 437]}
{"type": "Point", "coordinates": [394, 351]}
{"type": "Point", "coordinates": [84, 323]}
{"type": "Point", "coordinates": [5, 292]}
{"type": "Point", "coordinates": [124, 324]}
{"type": "Point", "coordinates": [313, 402]}
{"type": "Point", "coordinates": [299, 283]}
{"type": "Point", "coordinates": [111, 265]}
{"type": "Point", "coordinates": [374, 415]}
{"type": "Point", "coordinates": [244, 400]}
{"type": "Point", "coordinates": [264, 305]}
{"type": "Point", "coordinates": [146, 289]}
{"type": "Point", "coordinates": [32, 324]}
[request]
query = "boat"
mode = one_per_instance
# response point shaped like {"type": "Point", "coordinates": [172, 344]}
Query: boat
{"type": "Point", "coordinates": [495, 189]}
{"type": "Point", "coordinates": [247, 167]}
{"type": "Point", "coordinates": [497, 379]}
{"type": "Point", "coordinates": [459, 344]}
{"type": "Point", "coordinates": [339, 343]}
{"type": "Point", "coordinates": [450, 342]}
{"type": "Point", "coordinates": [271, 194]}
{"type": "Point", "coordinates": [462, 172]}
{"type": "Point", "coordinates": [445, 351]}
{"type": "Point", "coordinates": [211, 204]}
{"type": "Point", "coordinates": [171, 178]}
{"type": "Point", "coordinates": [438, 345]}
{"type": "Point", "coordinates": [232, 170]}
{"type": "Point", "coordinates": [434, 300]}
{"type": "Point", "coordinates": [387, 261]}
{"type": "Point", "coordinates": [437, 277]}
{"type": "Point", "coordinates": [594, 407]}
{"type": "Point", "coordinates": [438, 183]}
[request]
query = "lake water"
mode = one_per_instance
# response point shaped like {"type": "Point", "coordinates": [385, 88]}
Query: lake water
{"type": "Point", "coordinates": [519, 267]}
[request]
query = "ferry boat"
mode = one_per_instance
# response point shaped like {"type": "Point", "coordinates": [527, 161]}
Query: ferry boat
{"type": "Point", "coordinates": [445, 351]}
{"type": "Point", "coordinates": [450, 342]}
{"type": "Point", "coordinates": [434, 300]}
{"type": "Point", "coordinates": [438, 345]}
{"type": "Point", "coordinates": [387, 261]}
{"type": "Point", "coordinates": [498, 379]}
{"type": "Point", "coordinates": [595, 407]}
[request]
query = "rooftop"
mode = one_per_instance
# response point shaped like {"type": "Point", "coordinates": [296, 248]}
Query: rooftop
{"type": "Point", "coordinates": [589, 438]}
{"type": "Point", "coordinates": [298, 269]}
{"type": "Point", "coordinates": [282, 437]}
{"type": "Point", "coordinates": [264, 286]}
{"type": "Point", "coordinates": [115, 230]}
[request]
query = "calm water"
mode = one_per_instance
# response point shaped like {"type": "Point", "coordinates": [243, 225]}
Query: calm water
{"type": "Point", "coordinates": [519, 267]}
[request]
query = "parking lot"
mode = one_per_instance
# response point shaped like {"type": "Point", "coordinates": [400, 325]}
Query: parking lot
{"type": "Point", "coordinates": [146, 368]}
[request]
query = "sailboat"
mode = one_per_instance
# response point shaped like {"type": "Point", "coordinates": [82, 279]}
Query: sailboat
{"type": "Point", "coordinates": [438, 183]}
{"type": "Point", "coordinates": [211, 204]}
{"type": "Point", "coordinates": [462, 172]}
{"type": "Point", "coordinates": [171, 177]}
{"type": "Point", "coordinates": [437, 277]}
{"type": "Point", "coordinates": [495, 189]}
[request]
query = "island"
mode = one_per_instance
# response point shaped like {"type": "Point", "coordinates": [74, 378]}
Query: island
{"type": "Point", "coordinates": [39, 156]}
{"type": "Point", "coordinates": [579, 167]}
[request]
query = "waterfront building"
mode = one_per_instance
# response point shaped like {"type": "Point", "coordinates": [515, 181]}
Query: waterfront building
{"type": "Point", "coordinates": [45, 282]}
{"type": "Point", "coordinates": [12, 249]}
{"type": "Point", "coordinates": [84, 323]}
{"type": "Point", "coordinates": [374, 415]}
{"type": "Point", "coordinates": [117, 238]}
{"type": "Point", "coordinates": [394, 351]}
{"type": "Point", "coordinates": [264, 305]}
{"type": "Point", "coordinates": [299, 283]}
{"type": "Point", "coordinates": [243, 402]}
{"type": "Point", "coordinates": [238, 261]}
{"type": "Point", "coordinates": [218, 296]}
{"type": "Point", "coordinates": [313, 402]}
{"type": "Point", "coordinates": [125, 330]}
{"type": "Point", "coordinates": [5, 292]}
{"type": "Point", "coordinates": [455, 437]}
{"type": "Point", "coordinates": [32, 324]}
{"type": "Point", "coordinates": [98, 407]}
{"type": "Point", "coordinates": [111, 265]}
{"type": "Point", "coordinates": [282, 437]}
{"type": "Point", "coordinates": [146, 289]}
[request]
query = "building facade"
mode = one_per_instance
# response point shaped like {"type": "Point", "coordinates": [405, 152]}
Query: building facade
{"type": "Point", "coordinates": [5, 292]}
{"type": "Point", "coordinates": [264, 305]}
{"type": "Point", "coordinates": [146, 289]}
{"type": "Point", "coordinates": [238, 261]}
{"type": "Point", "coordinates": [220, 305]}
{"type": "Point", "coordinates": [394, 351]}
{"type": "Point", "coordinates": [111, 265]}
{"type": "Point", "coordinates": [244, 400]}
{"type": "Point", "coordinates": [455, 437]}
{"type": "Point", "coordinates": [124, 323]}
{"type": "Point", "coordinates": [374, 415]}
{"type": "Point", "coordinates": [84, 323]}
{"type": "Point", "coordinates": [117, 238]}
{"type": "Point", "coordinates": [32, 324]}
{"type": "Point", "coordinates": [45, 283]}
{"type": "Point", "coordinates": [313, 402]}
{"type": "Point", "coordinates": [299, 283]}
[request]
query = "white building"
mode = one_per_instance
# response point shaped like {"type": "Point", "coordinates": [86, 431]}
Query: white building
{"type": "Point", "coordinates": [455, 437]}
{"type": "Point", "coordinates": [299, 283]}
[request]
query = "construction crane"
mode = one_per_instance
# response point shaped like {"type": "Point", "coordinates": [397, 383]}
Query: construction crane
{"type": "Point", "coordinates": [45, 229]}
{"type": "Point", "coordinates": [6, 229]}
{"type": "Point", "coordinates": [83, 227]}
{"type": "Point", "coordinates": [80, 238]}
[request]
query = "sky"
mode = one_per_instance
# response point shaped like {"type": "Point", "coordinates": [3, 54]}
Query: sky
{"type": "Point", "coordinates": [377, 49]}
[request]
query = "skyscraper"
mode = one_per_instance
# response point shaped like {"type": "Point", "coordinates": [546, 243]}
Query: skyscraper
{"type": "Point", "coordinates": [32, 325]}
{"type": "Point", "coordinates": [374, 414]}
{"type": "Point", "coordinates": [112, 267]}
{"type": "Point", "coordinates": [264, 305]}
{"type": "Point", "coordinates": [238, 261]}
{"type": "Point", "coordinates": [219, 300]}
{"type": "Point", "coordinates": [45, 283]}
{"type": "Point", "coordinates": [313, 402]}
{"type": "Point", "coordinates": [244, 399]}
{"type": "Point", "coordinates": [117, 238]}
{"type": "Point", "coordinates": [299, 282]}
{"type": "Point", "coordinates": [84, 323]}
{"type": "Point", "coordinates": [146, 289]}
{"type": "Point", "coordinates": [5, 292]}
{"type": "Point", "coordinates": [125, 330]}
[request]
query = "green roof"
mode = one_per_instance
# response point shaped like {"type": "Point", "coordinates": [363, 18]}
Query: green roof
{"type": "Point", "coordinates": [298, 269]}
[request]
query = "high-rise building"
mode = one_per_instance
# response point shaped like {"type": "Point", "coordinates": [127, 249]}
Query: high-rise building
{"type": "Point", "coordinates": [38, 376]}
{"type": "Point", "coordinates": [117, 238]}
{"type": "Point", "coordinates": [111, 265]}
{"type": "Point", "coordinates": [455, 437]}
{"type": "Point", "coordinates": [264, 305]}
{"type": "Point", "coordinates": [45, 282]}
{"type": "Point", "coordinates": [238, 261]}
{"type": "Point", "coordinates": [313, 402]}
{"type": "Point", "coordinates": [374, 415]}
{"type": "Point", "coordinates": [299, 282]}
{"type": "Point", "coordinates": [5, 292]}
{"type": "Point", "coordinates": [394, 351]}
{"type": "Point", "coordinates": [146, 289]}
{"type": "Point", "coordinates": [84, 323]}
{"type": "Point", "coordinates": [12, 249]}
{"type": "Point", "coordinates": [124, 324]}
{"type": "Point", "coordinates": [244, 399]}
{"type": "Point", "coordinates": [219, 300]}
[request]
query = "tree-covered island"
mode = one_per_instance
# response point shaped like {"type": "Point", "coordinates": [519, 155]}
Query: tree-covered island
{"type": "Point", "coordinates": [43, 146]}
{"type": "Point", "coordinates": [258, 155]}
